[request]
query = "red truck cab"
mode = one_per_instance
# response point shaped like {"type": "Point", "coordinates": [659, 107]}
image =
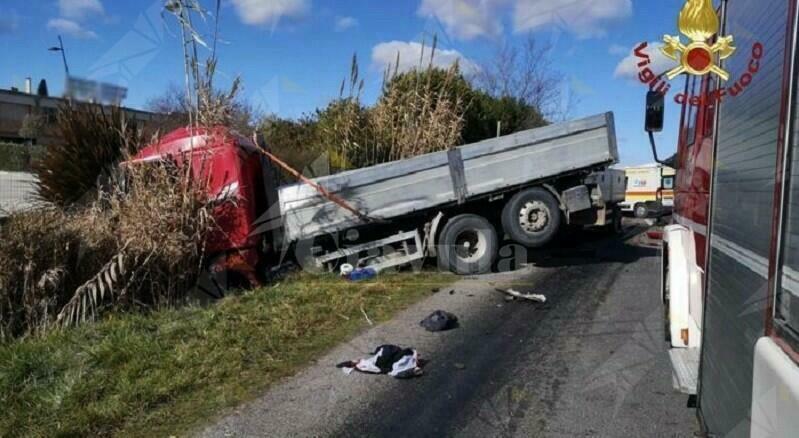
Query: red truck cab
{"type": "Point", "coordinates": [230, 171]}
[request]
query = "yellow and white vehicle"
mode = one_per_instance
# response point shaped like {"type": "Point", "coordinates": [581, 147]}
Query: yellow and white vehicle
{"type": "Point", "coordinates": [650, 190]}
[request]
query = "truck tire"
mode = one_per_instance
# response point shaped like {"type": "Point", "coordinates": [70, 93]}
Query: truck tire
{"type": "Point", "coordinates": [532, 217]}
{"type": "Point", "coordinates": [618, 221]}
{"type": "Point", "coordinates": [468, 245]}
{"type": "Point", "coordinates": [616, 225]}
{"type": "Point", "coordinates": [641, 211]}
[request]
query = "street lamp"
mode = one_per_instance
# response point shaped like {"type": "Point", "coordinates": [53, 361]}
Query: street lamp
{"type": "Point", "coordinates": [60, 48]}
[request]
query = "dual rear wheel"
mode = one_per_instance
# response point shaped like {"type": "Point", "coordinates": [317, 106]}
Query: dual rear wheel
{"type": "Point", "coordinates": [468, 244]}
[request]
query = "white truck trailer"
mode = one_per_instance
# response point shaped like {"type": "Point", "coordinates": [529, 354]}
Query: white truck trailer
{"type": "Point", "coordinates": [450, 204]}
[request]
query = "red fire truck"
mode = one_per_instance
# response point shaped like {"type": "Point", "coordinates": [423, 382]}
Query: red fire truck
{"type": "Point", "coordinates": [730, 280]}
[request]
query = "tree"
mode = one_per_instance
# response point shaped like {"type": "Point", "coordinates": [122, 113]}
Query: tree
{"type": "Point", "coordinates": [42, 90]}
{"type": "Point", "coordinates": [296, 142]}
{"type": "Point", "coordinates": [525, 74]}
{"type": "Point", "coordinates": [175, 108]}
{"type": "Point", "coordinates": [487, 114]}
{"type": "Point", "coordinates": [93, 139]}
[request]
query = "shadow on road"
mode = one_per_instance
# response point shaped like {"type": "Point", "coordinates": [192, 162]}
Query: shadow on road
{"type": "Point", "coordinates": [577, 248]}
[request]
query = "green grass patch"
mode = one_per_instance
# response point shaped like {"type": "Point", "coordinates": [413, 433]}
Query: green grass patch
{"type": "Point", "coordinates": [18, 157]}
{"type": "Point", "coordinates": [169, 372]}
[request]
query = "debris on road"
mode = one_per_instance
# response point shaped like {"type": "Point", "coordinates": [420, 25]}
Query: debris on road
{"type": "Point", "coordinates": [395, 361]}
{"type": "Point", "coordinates": [346, 269]}
{"type": "Point", "coordinates": [538, 298]}
{"type": "Point", "coordinates": [366, 316]}
{"type": "Point", "coordinates": [362, 274]}
{"type": "Point", "coordinates": [440, 321]}
{"type": "Point", "coordinates": [459, 366]}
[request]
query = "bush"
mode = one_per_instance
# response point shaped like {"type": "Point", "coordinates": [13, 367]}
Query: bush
{"type": "Point", "coordinates": [93, 139]}
{"type": "Point", "coordinates": [174, 108]}
{"type": "Point", "coordinates": [485, 112]}
{"type": "Point", "coordinates": [296, 142]}
{"type": "Point", "coordinates": [417, 112]}
{"type": "Point", "coordinates": [420, 112]}
{"type": "Point", "coordinates": [138, 248]}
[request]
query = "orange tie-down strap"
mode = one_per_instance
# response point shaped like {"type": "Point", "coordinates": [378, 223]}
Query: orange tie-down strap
{"type": "Point", "coordinates": [332, 197]}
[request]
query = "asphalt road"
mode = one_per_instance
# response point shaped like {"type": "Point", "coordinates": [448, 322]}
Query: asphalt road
{"type": "Point", "coordinates": [589, 362]}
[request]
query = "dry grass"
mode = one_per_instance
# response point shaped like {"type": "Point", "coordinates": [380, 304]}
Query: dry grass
{"type": "Point", "coordinates": [92, 141]}
{"type": "Point", "coordinates": [137, 246]}
{"type": "Point", "coordinates": [417, 114]}
{"type": "Point", "coordinates": [419, 111]}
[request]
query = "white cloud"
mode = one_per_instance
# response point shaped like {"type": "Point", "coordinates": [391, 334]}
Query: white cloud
{"type": "Point", "coordinates": [344, 23]}
{"type": "Point", "coordinates": [71, 28]}
{"type": "Point", "coordinates": [465, 19]}
{"type": "Point", "coordinates": [80, 9]}
{"type": "Point", "coordinates": [584, 18]}
{"type": "Point", "coordinates": [269, 12]}
{"type": "Point", "coordinates": [628, 67]}
{"type": "Point", "coordinates": [385, 55]}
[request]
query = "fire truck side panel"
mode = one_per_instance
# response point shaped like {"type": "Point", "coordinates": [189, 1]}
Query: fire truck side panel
{"type": "Point", "coordinates": [775, 386]}
{"type": "Point", "coordinates": [743, 188]}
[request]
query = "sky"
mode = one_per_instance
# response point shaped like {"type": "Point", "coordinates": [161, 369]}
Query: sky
{"type": "Point", "coordinates": [292, 55]}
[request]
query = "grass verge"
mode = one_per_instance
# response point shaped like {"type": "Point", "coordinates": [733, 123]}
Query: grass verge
{"type": "Point", "coordinates": [17, 158]}
{"type": "Point", "coordinates": [168, 372]}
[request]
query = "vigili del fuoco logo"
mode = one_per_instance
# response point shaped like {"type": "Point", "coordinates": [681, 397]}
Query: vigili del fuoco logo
{"type": "Point", "coordinates": [699, 22]}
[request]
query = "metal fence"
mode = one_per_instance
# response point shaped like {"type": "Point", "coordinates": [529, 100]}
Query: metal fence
{"type": "Point", "coordinates": [17, 191]}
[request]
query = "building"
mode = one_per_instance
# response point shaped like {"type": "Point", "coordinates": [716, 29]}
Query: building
{"type": "Point", "coordinates": [16, 105]}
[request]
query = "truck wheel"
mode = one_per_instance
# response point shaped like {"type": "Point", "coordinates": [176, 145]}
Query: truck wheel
{"type": "Point", "coordinates": [468, 245]}
{"type": "Point", "coordinates": [616, 226]}
{"type": "Point", "coordinates": [532, 217]}
{"type": "Point", "coordinates": [641, 211]}
{"type": "Point", "coordinates": [618, 222]}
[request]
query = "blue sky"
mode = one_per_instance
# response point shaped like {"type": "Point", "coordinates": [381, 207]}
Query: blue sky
{"type": "Point", "coordinates": [293, 54]}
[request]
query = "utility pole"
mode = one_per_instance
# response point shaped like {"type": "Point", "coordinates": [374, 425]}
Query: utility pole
{"type": "Point", "coordinates": [60, 48]}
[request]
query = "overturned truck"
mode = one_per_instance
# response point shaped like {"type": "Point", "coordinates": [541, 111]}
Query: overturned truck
{"type": "Point", "coordinates": [455, 205]}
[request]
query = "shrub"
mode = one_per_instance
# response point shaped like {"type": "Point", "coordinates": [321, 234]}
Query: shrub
{"type": "Point", "coordinates": [93, 139]}
{"type": "Point", "coordinates": [297, 143]}
{"type": "Point", "coordinates": [420, 112]}
{"type": "Point", "coordinates": [142, 247]}
{"type": "Point", "coordinates": [486, 112]}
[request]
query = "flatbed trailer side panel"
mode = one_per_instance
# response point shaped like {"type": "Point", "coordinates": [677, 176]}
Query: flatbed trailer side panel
{"type": "Point", "coordinates": [743, 188]}
{"type": "Point", "coordinates": [421, 183]}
